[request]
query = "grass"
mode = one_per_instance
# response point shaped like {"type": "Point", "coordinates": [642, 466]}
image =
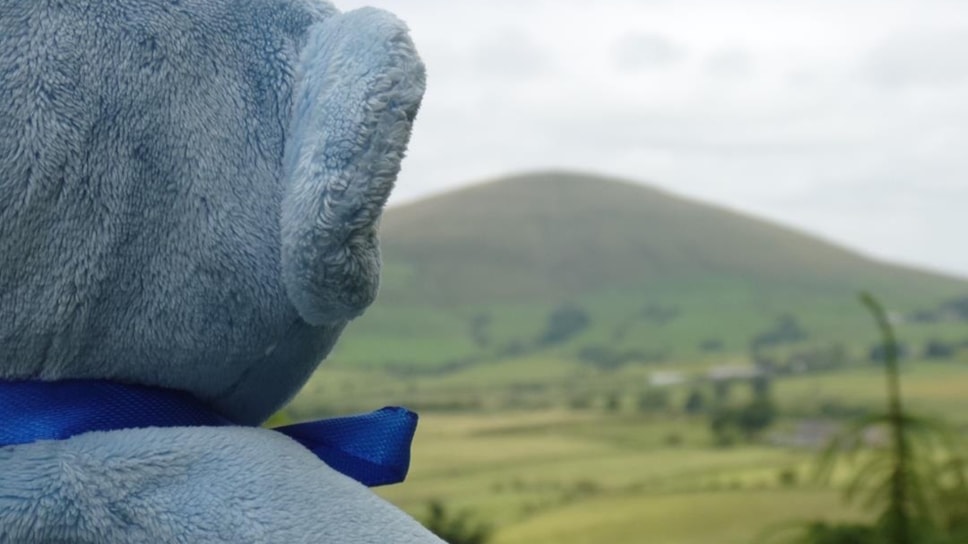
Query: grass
{"type": "Point", "coordinates": [933, 388]}
{"type": "Point", "coordinates": [423, 336]}
{"type": "Point", "coordinates": [521, 459]}
{"type": "Point", "coordinates": [578, 477]}
{"type": "Point", "coordinates": [544, 380]}
{"type": "Point", "coordinates": [552, 449]}
{"type": "Point", "coordinates": [728, 517]}
{"type": "Point", "coordinates": [516, 249]}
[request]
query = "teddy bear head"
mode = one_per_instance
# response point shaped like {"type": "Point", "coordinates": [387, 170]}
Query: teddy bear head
{"type": "Point", "coordinates": [189, 191]}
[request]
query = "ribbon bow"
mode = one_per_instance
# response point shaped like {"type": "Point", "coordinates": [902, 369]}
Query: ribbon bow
{"type": "Point", "coordinates": [372, 448]}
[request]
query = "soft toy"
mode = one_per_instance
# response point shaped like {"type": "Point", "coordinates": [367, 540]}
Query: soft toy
{"type": "Point", "coordinates": [189, 193]}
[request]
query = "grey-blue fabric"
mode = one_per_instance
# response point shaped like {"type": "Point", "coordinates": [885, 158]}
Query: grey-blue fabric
{"type": "Point", "coordinates": [195, 485]}
{"type": "Point", "coordinates": [189, 194]}
{"type": "Point", "coordinates": [189, 188]}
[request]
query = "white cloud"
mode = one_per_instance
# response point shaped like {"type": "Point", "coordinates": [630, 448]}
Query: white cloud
{"type": "Point", "coordinates": [510, 53]}
{"type": "Point", "coordinates": [644, 51]}
{"type": "Point", "coordinates": [926, 57]}
{"type": "Point", "coordinates": [730, 63]}
{"type": "Point", "coordinates": [846, 118]}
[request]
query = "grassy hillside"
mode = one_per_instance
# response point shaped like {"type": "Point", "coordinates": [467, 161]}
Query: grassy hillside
{"type": "Point", "coordinates": [539, 469]}
{"type": "Point", "coordinates": [477, 273]}
{"type": "Point", "coordinates": [544, 237]}
{"type": "Point", "coordinates": [527, 319]}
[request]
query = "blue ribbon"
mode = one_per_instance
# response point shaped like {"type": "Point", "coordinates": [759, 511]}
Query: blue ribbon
{"type": "Point", "coordinates": [372, 448]}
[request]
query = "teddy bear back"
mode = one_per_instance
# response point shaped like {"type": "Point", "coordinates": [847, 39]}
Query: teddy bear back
{"type": "Point", "coordinates": [142, 184]}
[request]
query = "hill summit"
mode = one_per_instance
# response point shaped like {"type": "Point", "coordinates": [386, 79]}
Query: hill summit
{"type": "Point", "coordinates": [550, 235]}
{"type": "Point", "coordinates": [585, 265]}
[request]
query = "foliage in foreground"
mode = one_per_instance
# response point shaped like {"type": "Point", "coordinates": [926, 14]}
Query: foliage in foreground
{"type": "Point", "coordinates": [916, 481]}
{"type": "Point", "coordinates": [457, 528]}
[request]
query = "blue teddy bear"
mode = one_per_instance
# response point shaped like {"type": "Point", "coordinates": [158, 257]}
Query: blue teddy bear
{"type": "Point", "coordinates": [189, 196]}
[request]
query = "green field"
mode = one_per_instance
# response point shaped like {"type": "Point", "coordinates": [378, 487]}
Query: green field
{"type": "Point", "coordinates": [541, 471]}
{"type": "Point", "coordinates": [555, 477]}
{"type": "Point", "coordinates": [477, 274]}
{"type": "Point", "coordinates": [558, 333]}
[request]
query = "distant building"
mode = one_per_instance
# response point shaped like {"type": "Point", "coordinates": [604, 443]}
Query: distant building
{"type": "Point", "coordinates": [808, 434]}
{"type": "Point", "coordinates": [666, 378]}
{"type": "Point", "coordinates": [733, 372]}
{"type": "Point", "coordinates": [817, 433]}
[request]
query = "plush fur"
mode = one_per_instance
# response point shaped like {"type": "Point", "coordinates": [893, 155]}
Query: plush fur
{"type": "Point", "coordinates": [188, 485]}
{"type": "Point", "coordinates": [189, 193]}
{"type": "Point", "coordinates": [190, 188]}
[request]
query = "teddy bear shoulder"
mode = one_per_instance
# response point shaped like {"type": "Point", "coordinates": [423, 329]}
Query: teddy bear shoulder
{"type": "Point", "coordinates": [231, 485]}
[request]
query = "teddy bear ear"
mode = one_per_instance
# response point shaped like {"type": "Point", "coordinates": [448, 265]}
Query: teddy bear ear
{"type": "Point", "coordinates": [358, 87]}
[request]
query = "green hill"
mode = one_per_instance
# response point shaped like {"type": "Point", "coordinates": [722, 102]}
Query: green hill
{"type": "Point", "coordinates": [480, 272]}
{"type": "Point", "coordinates": [528, 320]}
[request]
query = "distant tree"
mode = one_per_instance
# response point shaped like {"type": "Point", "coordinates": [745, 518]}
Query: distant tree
{"type": "Point", "coordinates": [764, 362]}
{"type": "Point", "coordinates": [673, 439]}
{"type": "Point", "coordinates": [761, 386]}
{"type": "Point", "coordinates": [457, 528]}
{"type": "Point", "coordinates": [877, 353]}
{"type": "Point", "coordinates": [936, 349]}
{"type": "Point", "coordinates": [722, 424]}
{"type": "Point", "coordinates": [653, 400]}
{"type": "Point", "coordinates": [658, 314]}
{"type": "Point", "coordinates": [695, 402]}
{"type": "Point", "coordinates": [746, 421]}
{"type": "Point", "coordinates": [817, 359]}
{"type": "Point", "coordinates": [580, 402]}
{"type": "Point", "coordinates": [822, 532]}
{"type": "Point", "coordinates": [711, 345]}
{"type": "Point", "coordinates": [606, 358]}
{"type": "Point", "coordinates": [564, 322]}
{"type": "Point", "coordinates": [957, 306]}
{"type": "Point", "coordinates": [613, 402]}
{"type": "Point", "coordinates": [602, 357]}
{"type": "Point", "coordinates": [755, 417]}
{"type": "Point", "coordinates": [835, 356]}
{"type": "Point", "coordinates": [787, 477]}
{"type": "Point", "coordinates": [786, 329]}
{"type": "Point", "coordinates": [722, 390]}
{"type": "Point", "coordinates": [514, 348]}
{"type": "Point", "coordinates": [924, 316]}
{"type": "Point", "coordinates": [480, 329]}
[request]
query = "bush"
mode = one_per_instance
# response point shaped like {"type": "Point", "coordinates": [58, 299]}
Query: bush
{"type": "Point", "coordinates": [785, 330]}
{"type": "Point", "coordinates": [787, 477]}
{"type": "Point", "coordinates": [748, 421]}
{"type": "Point", "coordinates": [695, 402]}
{"type": "Point", "coordinates": [564, 322]}
{"type": "Point", "coordinates": [844, 533]}
{"type": "Point", "coordinates": [653, 400]}
{"type": "Point", "coordinates": [455, 528]}
{"type": "Point", "coordinates": [613, 403]}
{"type": "Point", "coordinates": [936, 349]}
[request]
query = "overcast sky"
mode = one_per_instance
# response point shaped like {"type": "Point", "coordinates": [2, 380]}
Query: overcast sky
{"type": "Point", "coordinates": [848, 119]}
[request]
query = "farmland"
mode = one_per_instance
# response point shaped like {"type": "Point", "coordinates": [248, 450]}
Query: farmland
{"type": "Point", "coordinates": [596, 361]}
{"type": "Point", "coordinates": [553, 473]}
